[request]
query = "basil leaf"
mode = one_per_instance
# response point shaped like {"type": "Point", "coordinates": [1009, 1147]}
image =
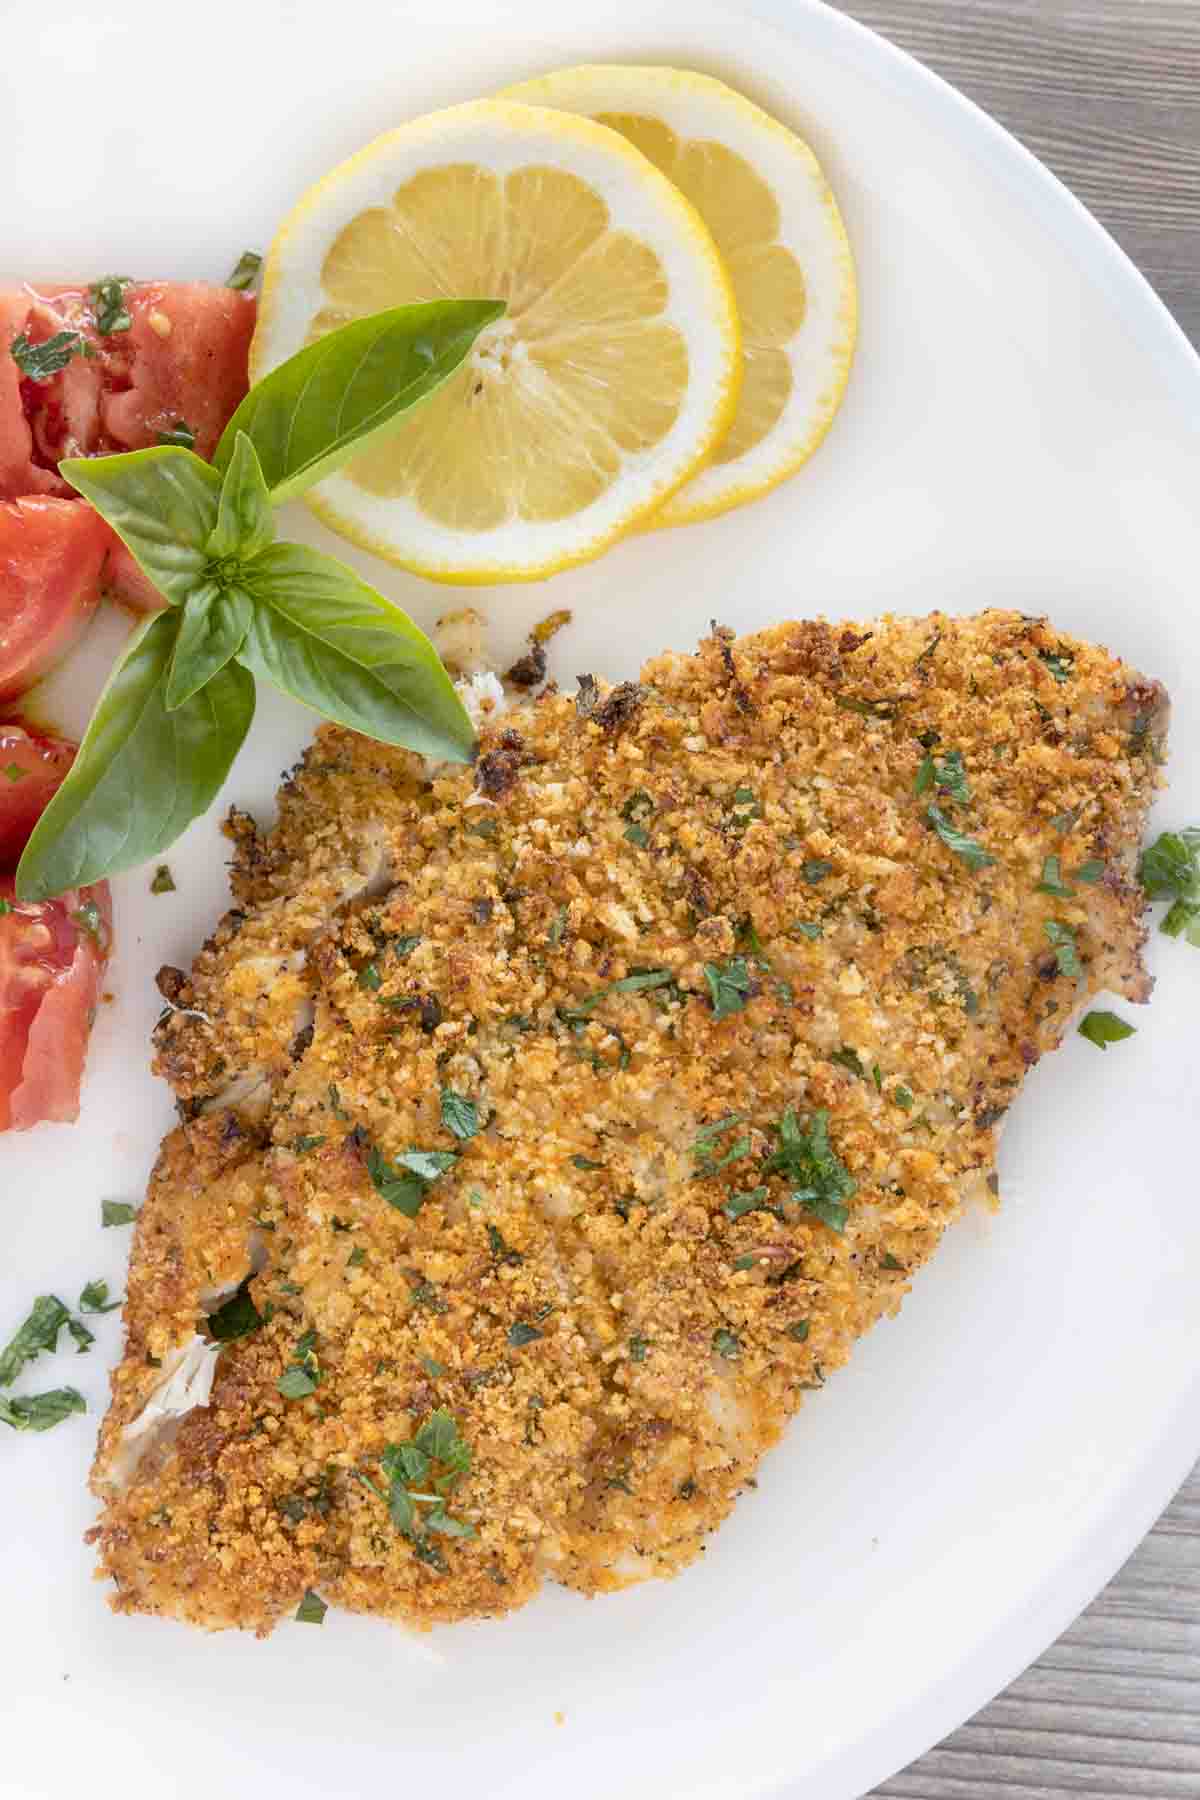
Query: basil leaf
{"type": "Point", "coordinates": [142, 773]}
{"type": "Point", "coordinates": [37, 1334]}
{"type": "Point", "coordinates": [41, 1412]}
{"type": "Point", "coordinates": [162, 504]}
{"type": "Point", "coordinates": [245, 523]}
{"type": "Point", "coordinates": [1105, 1028]}
{"type": "Point", "coordinates": [329, 640]}
{"type": "Point", "coordinates": [211, 632]}
{"type": "Point", "coordinates": [326, 403]}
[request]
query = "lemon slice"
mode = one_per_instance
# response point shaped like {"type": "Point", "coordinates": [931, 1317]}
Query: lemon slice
{"type": "Point", "coordinates": [760, 190]}
{"type": "Point", "coordinates": [612, 376]}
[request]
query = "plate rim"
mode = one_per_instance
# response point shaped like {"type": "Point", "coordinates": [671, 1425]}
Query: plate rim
{"type": "Point", "coordinates": [1037, 1619]}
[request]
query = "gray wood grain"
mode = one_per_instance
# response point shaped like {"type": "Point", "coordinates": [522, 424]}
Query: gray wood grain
{"type": "Point", "coordinates": [1107, 93]}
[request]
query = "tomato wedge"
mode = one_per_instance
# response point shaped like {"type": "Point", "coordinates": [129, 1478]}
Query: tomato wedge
{"type": "Point", "coordinates": [52, 960]}
{"type": "Point", "coordinates": [51, 556]}
{"type": "Point", "coordinates": [32, 765]}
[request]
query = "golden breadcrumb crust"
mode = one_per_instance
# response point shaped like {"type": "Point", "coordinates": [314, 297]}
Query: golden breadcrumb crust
{"type": "Point", "coordinates": [620, 1321]}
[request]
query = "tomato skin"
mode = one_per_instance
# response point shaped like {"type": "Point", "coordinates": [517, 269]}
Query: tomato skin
{"type": "Point", "coordinates": [32, 768]}
{"type": "Point", "coordinates": [51, 556]}
{"type": "Point", "coordinates": [53, 956]}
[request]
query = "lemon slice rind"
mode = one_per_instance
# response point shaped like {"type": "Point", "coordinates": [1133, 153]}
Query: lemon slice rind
{"type": "Point", "coordinates": [502, 137]}
{"type": "Point", "coordinates": [697, 108]}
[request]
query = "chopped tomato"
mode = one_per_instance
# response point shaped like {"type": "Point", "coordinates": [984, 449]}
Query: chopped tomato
{"type": "Point", "coordinates": [124, 581]}
{"type": "Point", "coordinates": [182, 361]}
{"type": "Point", "coordinates": [52, 960]}
{"type": "Point", "coordinates": [31, 768]}
{"type": "Point", "coordinates": [51, 555]}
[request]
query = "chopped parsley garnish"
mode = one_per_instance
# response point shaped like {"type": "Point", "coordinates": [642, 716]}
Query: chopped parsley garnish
{"type": "Point", "coordinates": [303, 1375]}
{"type": "Point", "coordinates": [726, 1345]}
{"type": "Point", "coordinates": [816, 870]}
{"type": "Point", "coordinates": [639, 981]}
{"type": "Point", "coordinates": [947, 773]}
{"type": "Point", "coordinates": [750, 1200]}
{"type": "Point", "coordinates": [903, 1098]}
{"type": "Point", "coordinates": [847, 1058]}
{"type": "Point", "coordinates": [302, 1145]}
{"type": "Point", "coordinates": [637, 834]}
{"type": "Point", "coordinates": [312, 1609]}
{"type": "Point", "coordinates": [108, 304]}
{"type": "Point", "coordinates": [1060, 663]}
{"type": "Point", "coordinates": [586, 1162]}
{"type": "Point", "coordinates": [403, 947]}
{"type": "Point", "coordinates": [405, 1185]}
{"type": "Point", "coordinates": [40, 362]}
{"type": "Point", "coordinates": [1170, 870]}
{"type": "Point", "coordinates": [5, 907]}
{"type": "Point", "coordinates": [1090, 871]}
{"type": "Point", "coordinates": [520, 1333]}
{"type": "Point", "coordinates": [798, 1331]}
{"type": "Point", "coordinates": [245, 271]}
{"type": "Point", "coordinates": [1105, 1028]}
{"type": "Point", "coordinates": [501, 1250]}
{"type": "Point", "coordinates": [889, 1262]}
{"type": "Point", "coordinates": [41, 1412]}
{"type": "Point", "coordinates": [14, 772]}
{"type": "Point", "coordinates": [179, 434]}
{"type": "Point", "coordinates": [94, 1298]}
{"type": "Point", "coordinates": [436, 1444]}
{"type": "Point", "coordinates": [639, 805]}
{"type": "Point", "coordinates": [1065, 948]}
{"type": "Point", "coordinates": [459, 1115]}
{"type": "Point", "coordinates": [83, 1338]}
{"type": "Point", "coordinates": [483, 828]}
{"type": "Point", "coordinates": [1065, 822]}
{"type": "Point", "coordinates": [237, 1318]}
{"type": "Point", "coordinates": [1052, 880]}
{"type": "Point", "coordinates": [729, 986]}
{"type": "Point", "coordinates": [88, 919]}
{"type": "Point", "coordinates": [356, 1258]}
{"type": "Point", "coordinates": [555, 933]}
{"type": "Point", "coordinates": [117, 1212]}
{"type": "Point", "coordinates": [973, 854]}
{"type": "Point", "coordinates": [702, 1146]}
{"type": "Point", "coordinates": [37, 1334]}
{"type": "Point", "coordinates": [639, 1348]}
{"type": "Point", "coordinates": [163, 881]}
{"type": "Point", "coordinates": [821, 1183]}
{"type": "Point", "coordinates": [868, 709]}
{"type": "Point", "coordinates": [807, 929]}
{"type": "Point", "coordinates": [432, 1367]}
{"type": "Point", "coordinates": [370, 978]}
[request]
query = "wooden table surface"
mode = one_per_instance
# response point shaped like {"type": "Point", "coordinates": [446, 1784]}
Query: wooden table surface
{"type": "Point", "coordinates": [1107, 92]}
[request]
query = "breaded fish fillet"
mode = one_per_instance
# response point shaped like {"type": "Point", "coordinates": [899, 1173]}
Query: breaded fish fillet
{"type": "Point", "coordinates": [574, 1113]}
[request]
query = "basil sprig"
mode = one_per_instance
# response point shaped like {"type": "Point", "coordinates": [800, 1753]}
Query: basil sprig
{"type": "Point", "coordinates": [241, 605]}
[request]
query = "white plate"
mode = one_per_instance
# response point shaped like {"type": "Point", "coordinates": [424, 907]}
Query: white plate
{"type": "Point", "coordinates": [1022, 429]}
